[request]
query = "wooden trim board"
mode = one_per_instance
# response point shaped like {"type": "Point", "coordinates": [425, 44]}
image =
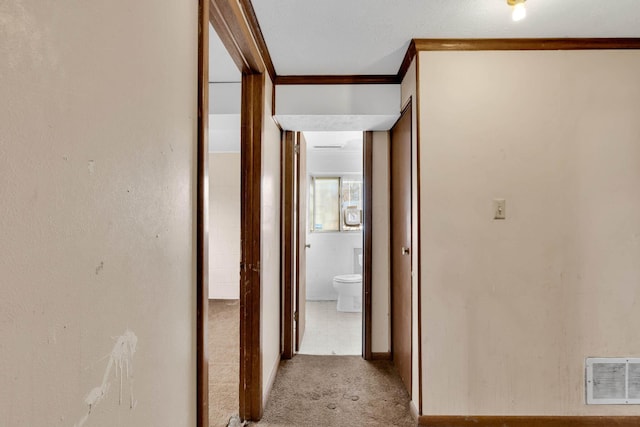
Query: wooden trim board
{"type": "Point", "coordinates": [256, 31]}
{"type": "Point", "coordinates": [435, 45]}
{"type": "Point", "coordinates": [526, 421]}
{"type": "Point", "coordinates": [526, 44]}
{"type": "Point", "coordinates": [381, 356]}
{"type": "Point", "coordinates": [251, 117]}
{"type": "Point", "coordinates": [406, 61]}
{"type": "Point", "coordinates": [418, 233]}
{"type": "Point", "coordinates": [288, 241]}
{"type": "Point", "coordinates": [337, 80]}
{"type": "Point", "coordinates": [367, 279]}
{"type": "Point", "coordinates": [228, 20]}
{"type": "Point", "coordinates": [202, 220]}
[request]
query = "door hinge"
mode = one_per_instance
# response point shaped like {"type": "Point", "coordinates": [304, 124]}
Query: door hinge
{"type": "Point", "coordinates": [296, 149]}
{"type": "Point", "coordinates": [295, 316]}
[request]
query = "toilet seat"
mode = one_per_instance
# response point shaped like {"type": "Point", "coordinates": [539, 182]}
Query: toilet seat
{"type": "Point", "coordinates": [348, 278]}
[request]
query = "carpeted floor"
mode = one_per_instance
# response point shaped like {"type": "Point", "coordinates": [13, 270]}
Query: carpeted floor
{"type": "Point", "coordinates": [319, 391]}
{"type": "Point", "coordinates": [336, 391]}
{"type": "Point", "coordinates": [224, 360]}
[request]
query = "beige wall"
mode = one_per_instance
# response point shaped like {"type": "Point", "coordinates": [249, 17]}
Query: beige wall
{"type": "Point", "coordinates": [380, 244]}
{"type": "Point", "coordinates": [270, 251]}
{"type": "Point", "coordinates": [512, 308]}
{"type": "Point", "coordinates": [224, 225]}
{"type": "Point", "coordinates": [97, 182]}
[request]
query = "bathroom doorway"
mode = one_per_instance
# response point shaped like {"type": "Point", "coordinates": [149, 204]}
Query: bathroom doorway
{"type": "Point", "coordinates": [333, 191]}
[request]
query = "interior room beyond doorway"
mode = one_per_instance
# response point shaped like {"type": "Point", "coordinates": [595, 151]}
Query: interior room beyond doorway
{"type": "Point", "coordinates": [334, 187]}
{"type": "Point", "coordinates": [224, 234]}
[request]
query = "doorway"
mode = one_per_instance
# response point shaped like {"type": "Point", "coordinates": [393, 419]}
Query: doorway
{"type": "Point", "coordinates": [224, 175]}
{"type": "Point", "coordinates": [259, 322]}
{"type": "Point", "coordinates": [333, 184]}
{"type": "Point", "coordinates": [326, 287]}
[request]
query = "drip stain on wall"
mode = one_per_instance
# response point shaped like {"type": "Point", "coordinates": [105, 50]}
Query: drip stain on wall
{"type": "Point", "coordinates": [120, 359]}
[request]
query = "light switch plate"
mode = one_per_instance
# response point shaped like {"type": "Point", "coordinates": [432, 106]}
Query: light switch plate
{"type": "Point", "coordinates": [499, 209]}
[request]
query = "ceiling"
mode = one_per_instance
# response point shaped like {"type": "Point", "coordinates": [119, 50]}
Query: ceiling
{"type": "Point", "coordinates": [224, 124]}
{"type": "Point", "coordinates": [334, 141]}
{"type": "Point", "coordinates": [222, 69]}
{"type": "Point", "coordinates": [347, 37]}
{"type": "Point", "coordinates": [364, 37]}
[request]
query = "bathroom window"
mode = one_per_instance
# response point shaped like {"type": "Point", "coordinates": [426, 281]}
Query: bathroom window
{"type": "Point", "coordinates": [335, 204]}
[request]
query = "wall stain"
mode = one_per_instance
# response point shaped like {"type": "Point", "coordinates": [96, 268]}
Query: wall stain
{"type": "Point", "coordinates": [100, 268]}
{"type": "Point", "coordinates": [120, 359]}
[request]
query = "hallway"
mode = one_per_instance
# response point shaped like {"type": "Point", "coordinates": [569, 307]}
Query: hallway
{"type": "Point", "coordinates": [309, 390]}
{"type": "Point", "coordinates": [336, 391]}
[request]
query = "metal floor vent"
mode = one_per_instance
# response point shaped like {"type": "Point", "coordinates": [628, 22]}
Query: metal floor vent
{"type": "Point", "coordinates": [613, 381]}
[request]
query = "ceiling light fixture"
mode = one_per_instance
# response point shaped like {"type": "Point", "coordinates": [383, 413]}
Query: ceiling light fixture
{"type": "Point", "coordinates": [519, 12]}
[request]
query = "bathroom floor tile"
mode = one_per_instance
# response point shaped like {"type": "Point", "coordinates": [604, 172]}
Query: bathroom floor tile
{"type": "Point", "coordinates": [329, 331]}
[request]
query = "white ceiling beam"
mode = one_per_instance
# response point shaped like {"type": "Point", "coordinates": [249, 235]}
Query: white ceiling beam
{"type": "Point", "coordinates": [337, 107]}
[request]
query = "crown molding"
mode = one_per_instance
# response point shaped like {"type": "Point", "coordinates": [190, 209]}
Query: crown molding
{"type": "Point", "coordinates": [436, 45]}
{"type": "Point", "coordinates": [337, 80]}
{"type": "Point", "coordinates": [526, 44]}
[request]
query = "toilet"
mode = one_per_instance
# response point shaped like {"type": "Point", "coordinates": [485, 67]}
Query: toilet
{"type": "Point", "coordinates": [349, 288]}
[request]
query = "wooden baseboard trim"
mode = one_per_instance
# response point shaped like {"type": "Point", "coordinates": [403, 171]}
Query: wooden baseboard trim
{"type": "Point", "coordinates": [526, 421]}
{"type": "Point", "coordinates": [381, 356]}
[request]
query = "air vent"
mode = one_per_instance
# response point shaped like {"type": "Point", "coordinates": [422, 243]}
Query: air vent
{"type": "Point", "coordinates": [613, 381]}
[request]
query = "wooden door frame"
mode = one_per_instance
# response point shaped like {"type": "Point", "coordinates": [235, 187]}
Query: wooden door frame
{"type": "Point", "coordinates": [235, 24]}
{"type": "Point", "coordinates": [290, 259]}
{"type": "Point", "coordinates": [367, 238]}
{"type": "Point", "coordinates": [288, 206]}
{"type": "Point", "coordinates": [252, 113]}
{"type": "Point", "coordinates": [202, 219]}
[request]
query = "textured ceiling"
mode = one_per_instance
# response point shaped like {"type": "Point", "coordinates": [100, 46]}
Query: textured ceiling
{"type": "Point", "coordinates": [222, 69]}
{"type": "Point", "coordinates": [224, 122]}
{"type": "Point", "coordinates": [336, 37]}
{"type": "Point", "coordinates": [342, 141]}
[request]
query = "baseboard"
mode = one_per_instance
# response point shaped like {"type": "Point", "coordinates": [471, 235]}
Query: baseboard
{"type": "Point", "coordinates": [414, 411]}
{"type": "Point", "coordinates": [272, 379]}
{"type": "Point", "coordinates": [526, 421]}
{"type": "Point", "coordinates": [381, 356]}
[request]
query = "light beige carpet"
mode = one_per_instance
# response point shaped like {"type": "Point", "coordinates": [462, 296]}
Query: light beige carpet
{"type": "Point", "coordinates": [340, 391]}
{"type": "Point", "coordinates": [309, 390]}
{"type": "Point", "coordinates": [224, 360]}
